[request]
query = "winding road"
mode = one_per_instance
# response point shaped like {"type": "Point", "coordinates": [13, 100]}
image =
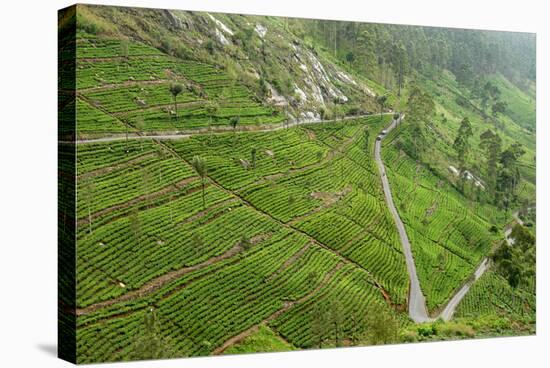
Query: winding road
{"type": "Point", "coordinates": [183, 134]}
{"type": "Point", "coordinates": [417, 302]}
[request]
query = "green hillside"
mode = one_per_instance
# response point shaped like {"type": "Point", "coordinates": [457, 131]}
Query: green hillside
{"type": "Point", "coordinates": [246, 211]}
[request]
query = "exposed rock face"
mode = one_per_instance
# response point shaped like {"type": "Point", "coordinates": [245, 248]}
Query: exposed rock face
{"type": "Point", "coordinates": [221, 38]}
{"type": "Point", "coordinates": [175, 21]}
{"type": "Point", "coordinates": [220, 24]}
{"type": "Point", "coordinates": [300, 93]}
{"type": "Point", "coordinates": [309, 116]}
{"type": "Point", "coordinates": [276, 98]}
{"type": "Point", "coordinates": [246, 43]}
{"type": "Point", "coordinates": [260, 30]}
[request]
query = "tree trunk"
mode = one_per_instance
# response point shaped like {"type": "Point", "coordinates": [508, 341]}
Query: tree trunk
{"type": "Point", "coordinates": [90, 219]}
{"type": "Point", "coordinates": [203, 201]}
{"type": "Point", "coordinates": [210, 128]}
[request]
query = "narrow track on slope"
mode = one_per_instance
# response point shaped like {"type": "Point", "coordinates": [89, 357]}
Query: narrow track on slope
{"type": "Point", "coordinates": [417, 302]}
{"type": "Point", "coordinates": [184, 134]}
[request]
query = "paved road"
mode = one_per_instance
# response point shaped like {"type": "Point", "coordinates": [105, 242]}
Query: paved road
{"type": "Point", "coordinates": [417, 302]}
{"type": "Point", "coordinates": [447, 313]}
{"type": "Point", "coordinates": [215, 130]}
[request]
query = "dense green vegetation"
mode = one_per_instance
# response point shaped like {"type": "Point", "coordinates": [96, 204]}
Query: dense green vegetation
{"type": "Point", "coordinates": [216, 213]}
{"type": "Point", "coordinates": [263, 340]}
{"type": "Point", "coordinates": [131, 81]}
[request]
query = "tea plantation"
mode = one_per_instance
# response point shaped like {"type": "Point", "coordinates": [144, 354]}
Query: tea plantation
{"type": "Point", "coordinates": [214, 221]}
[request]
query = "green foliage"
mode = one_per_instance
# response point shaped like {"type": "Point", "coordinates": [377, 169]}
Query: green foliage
{"type": "Point", "coordinates": [420, 110]}
{"type": "Point", "coordinates": [381, 101]}
{"type": "Point", "coordinates": [252, 244]}
{"type": "Point", "coordinates": [200, 166]}
{"type": "Point", "coordinates": [381, 327]}
{"type": "Point", "coordinates": [264, 340]}
{"type": "Point", "coordinates": [149, 343]}
{"type": "Point", "coordinates": [175, 89]}
{"type": "Point", "coordinates": [493, 297]}
{"type": "Point", "coordinates": [462, 147]}
{"type": "Point", "coordinates": [516, 261]}
{"type": "Point", "coordinates": [427, 330]}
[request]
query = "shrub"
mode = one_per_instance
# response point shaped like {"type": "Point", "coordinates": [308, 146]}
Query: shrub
{"type": "Point", "coordinates": [427, 330]}
{"type": "Point", "coordinates": [456, 329]}
{"type": "Point", "coordinates": [408, 336]}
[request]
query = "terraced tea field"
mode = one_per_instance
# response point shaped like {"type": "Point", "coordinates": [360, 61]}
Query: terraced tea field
{"type": "Point", "coordinates": [130, 82]}
{"type": "Point", "coordinates": [145, 238]}
{"type": "Point", "coordinates": [148, 238]}
{"type": "Point", "coordinates": [449, 239]}
{"type": "Point", "coordinates": [212, 216]}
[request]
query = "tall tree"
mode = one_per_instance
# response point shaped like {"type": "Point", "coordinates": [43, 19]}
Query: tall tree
{"type": "Point", "coordinates": [135, 226]}
{"type": "Point", "coordinates": [199, 164]}
{"type": "Point", "coordinates": [509, 174]}
{"type": "Point", "coordinates": [350, 58]}
{"type": "Point", "coordinates": [516, 262]}
{"type": "Point", "coordinates": [175, 89]}
{"type": "Point", "coordinates": [420, 110]}
{"type": "Point", "coordinates": [234, 121]}
{"type": "Point", "coordinates": [149, 342]}
{"type": "Point", "coordinates": [381, 101]}
{"type": "Point", "coordinates": [125, 52]}
{"type": "Point", "coordinates": [253, 157]}
{"type": "Point", "coordinates": [211, 109]}
{"type": "Point", "coordinates": [381, 327]}
{"type": "Point", "coordinates": [492, 144]}
{"type": "Point", "coordinates": [461, 146]}
{"type": "Point", "coordinates": [498, 107]}
{"type": "Point", "coordinates": [88, 189]}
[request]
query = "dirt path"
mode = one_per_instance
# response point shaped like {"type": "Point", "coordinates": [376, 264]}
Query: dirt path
{"type": "Point", "coordinates": [116, 166]}
{"type": "Point", "coordinates": [145, 197]}
{"type": "Point", "coordinates": [374, 282]}
{"type": "Point", "coordinates": [286, 306]}
{"type": "Point", "coordinates": [123, 84]}
{"type": "Point", "coordinates": [158, 282]}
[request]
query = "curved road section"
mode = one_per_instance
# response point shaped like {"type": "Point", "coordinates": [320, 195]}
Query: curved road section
{"type": "Point", "coordinates": [447, 313]}
{"type": "Point", "coordinates": [417, 302]}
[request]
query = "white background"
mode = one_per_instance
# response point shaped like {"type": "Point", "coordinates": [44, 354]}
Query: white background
{"type": "Point", "coordinates": [28, 168]}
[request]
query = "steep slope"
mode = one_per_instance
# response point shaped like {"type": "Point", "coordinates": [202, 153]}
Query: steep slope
{"type": "Point", "coordinates": [259, 52]}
